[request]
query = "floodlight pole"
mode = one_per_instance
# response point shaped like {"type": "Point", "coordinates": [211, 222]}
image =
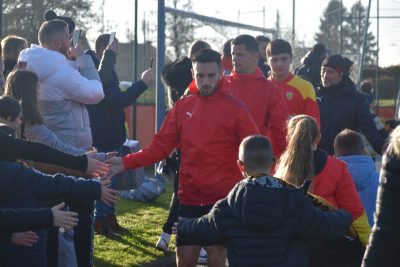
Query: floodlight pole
{"type": "Point", "coordinates": [160, 99]}
{"type": "Point", "coordinates": [364, 47]}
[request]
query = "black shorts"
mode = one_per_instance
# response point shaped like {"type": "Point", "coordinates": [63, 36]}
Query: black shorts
{"type": "Point", "coordinates": [185, 211]}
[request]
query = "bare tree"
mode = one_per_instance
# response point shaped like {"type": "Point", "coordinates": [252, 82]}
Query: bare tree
{"type": "Point", "coordinates": [24, 17]}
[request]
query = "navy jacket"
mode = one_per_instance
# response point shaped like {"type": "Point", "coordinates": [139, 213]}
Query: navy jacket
{"type": "Point", "coordinates": [107, 118]}
{"type": "Point", "coordinates": [342, 106]}
{"type": "Point", "coordinates": [384, 246]}
{"type": "Point", "coordinates": [22, 187]}
{"type": "Point", "coordinates": [265, 226]}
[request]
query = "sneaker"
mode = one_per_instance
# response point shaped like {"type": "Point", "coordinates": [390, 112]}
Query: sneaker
{"type": "Point", "coordinates": [202, 257]}
{"type": "Point", "coordinates": [163, 242]}
{"type": "Point", "coordinates": [115, 226]}
{"type": "Point", "coordinates": [102, 227]}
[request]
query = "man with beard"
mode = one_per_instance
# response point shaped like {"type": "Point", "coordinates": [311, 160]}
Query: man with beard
{"type": "Point", "coordinates": [208, 125]}
{"type": "Point", "coordinates": [343, 107]}
{"type": "Point", "coordinates": [62, 96]}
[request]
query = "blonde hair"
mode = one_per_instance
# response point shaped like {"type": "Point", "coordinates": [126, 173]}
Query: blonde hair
{"type": "Point", "coordinates": [395, 141]}
{"type": "Point", "coordinates": [296, 163]}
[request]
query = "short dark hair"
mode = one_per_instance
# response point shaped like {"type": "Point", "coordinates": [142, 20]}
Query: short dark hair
{"type": "Point", "coordinates": [9, 107]}
{"type": "Point", "coordinates": [22, 85]}
{"type": "Point", "coordinates": [226, 49]}
{"type": "Point", "coordinates": [262, 38]}
{"type": "Point", "coordinates": [49, 29]}
{"type": "Point", "coordinates": [197, 46]}
{"type": "Point", "coordinates": [366, 87]}
{"type": "Point", "coordinates": [177, 76]}
{"type": "Point", "coordinates": [102, 41]}
{"type": "Point", "coordinates": [207, 56]}
{"type": "Point", "coordinates": [319, 49]}
{"type": "Point", "coordinates": [248, 41]}
{"type": "Point", "coordinates": [279, 46]}
{"type": "Point", "coordinates": [256, 153]}
{"type": "Point", "coordinates": [348, 143]}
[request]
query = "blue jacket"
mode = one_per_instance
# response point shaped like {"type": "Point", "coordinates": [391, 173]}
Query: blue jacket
{"type": "Point", "coordinates": [107, 118]}
{"type": "Point", "coordinates": [341, 106]}
{"type": "Point", "coordinates": [265, 224]}
{"type": "Point", "coordinates": [366, 179]}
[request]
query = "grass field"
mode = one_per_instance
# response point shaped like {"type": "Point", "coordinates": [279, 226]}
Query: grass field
{"type": "Point", "coordinates": [144, 222]}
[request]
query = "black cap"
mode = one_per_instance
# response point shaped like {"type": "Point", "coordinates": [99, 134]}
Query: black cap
{"type": "Point", "coordinates": [50, 15]}
{"type": "Point", "coordinates": [335, 62]}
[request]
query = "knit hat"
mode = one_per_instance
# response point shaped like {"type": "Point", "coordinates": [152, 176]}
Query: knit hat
{"type": "Point", "coordinates": [50, 15]}
{"type": "Point", "coordinates": [178, 75]}
{"type": "Point", "coordinates": [335, 62]}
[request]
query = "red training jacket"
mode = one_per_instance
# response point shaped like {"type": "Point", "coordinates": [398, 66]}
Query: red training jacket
{"type": "Point", "coordinates": [335, 184]}
{"type": "Point", "coordinates": [209, 130]}
{"type": "Point", "coordinates": [266, 104]}
{"type": "Point", "coordinates": [299, 95]}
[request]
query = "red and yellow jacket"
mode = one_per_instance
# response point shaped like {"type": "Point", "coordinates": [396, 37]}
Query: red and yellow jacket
{"type": "Point", "coordinates": [265, 102]}
{"type": "Point", "coordinates": [335, 184]}
{"type": "Point", "coordinates": [299, 95]}
{"type": "Point", "coordinates": [209, 130]}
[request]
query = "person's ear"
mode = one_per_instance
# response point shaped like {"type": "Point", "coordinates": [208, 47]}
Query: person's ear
{"type": "Point", "coordinates": [240, 165]}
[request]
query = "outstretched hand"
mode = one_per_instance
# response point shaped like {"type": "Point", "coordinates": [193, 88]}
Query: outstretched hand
{"type": "Point", "coordinates": [116, 165]}
{"type": "Point", "coordinates": [62, 218]}
{"type": "Point", "coordinates": [108, 195]}
{"type": "Point", "coordinates": [95, 167]}
{"type": "Point", "coordinates": [148, 76]}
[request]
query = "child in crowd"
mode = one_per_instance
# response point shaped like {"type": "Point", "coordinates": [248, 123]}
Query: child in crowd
{"type": "Point", "coordinates": [22, 187]}
{"type": "Point", "coordinates": [264, 221]}
{"type": "Point", "coordinates": [331, 180]}
{"type": "Point", "coordinates": [349, 147]}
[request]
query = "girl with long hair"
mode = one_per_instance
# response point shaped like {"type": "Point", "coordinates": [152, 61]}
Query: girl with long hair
{"type": "Point", "coordinates": [330, 179]}
{"type": "Point", "coordinates": [23, 85]}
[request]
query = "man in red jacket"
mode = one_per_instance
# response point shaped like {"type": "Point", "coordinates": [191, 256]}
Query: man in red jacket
{"type": "Point", "coordinates": [208, 125]}
{"type": "Point", "coordinates": [264, 100]}
{"type": "Point", "coordinates": [300, 94]}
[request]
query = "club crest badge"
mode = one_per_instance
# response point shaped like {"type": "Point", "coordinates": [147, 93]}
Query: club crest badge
{"type": "Point", "coordinates": [289, 95]}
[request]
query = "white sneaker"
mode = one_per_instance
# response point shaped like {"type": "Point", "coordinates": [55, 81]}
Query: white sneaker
{"type": "Point", "coordinates": [202, 257]}
{"type": "Point", "coordinates": [163, 242]}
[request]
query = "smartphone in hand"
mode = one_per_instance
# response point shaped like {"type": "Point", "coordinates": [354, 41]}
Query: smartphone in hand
{"type": "Point", "coordinates": [151, 62]}
{"type": "Point", "coordinates": [112, 37]}
{"type": "Point", "coordinates": [76, 36]}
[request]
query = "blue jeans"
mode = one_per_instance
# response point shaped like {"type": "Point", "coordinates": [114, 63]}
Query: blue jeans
{"type": "Point", "coordinates": [102, 209]}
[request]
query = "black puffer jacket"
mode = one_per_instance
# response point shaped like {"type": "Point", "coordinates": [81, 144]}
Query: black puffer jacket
{"type": "Point", "coordinates": [384, 245]}
{"type": "Point", "coordinates": [341, 106]}
{"type": "Point", "coordinates": [264, 226]}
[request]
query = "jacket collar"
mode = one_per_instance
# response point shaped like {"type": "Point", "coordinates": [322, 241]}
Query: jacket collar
{"type": "Point", "coordinates": [288, 78]}
{"type": "Point", "coordinates": [195, 91]}
{"type": "Point", "coordinates": [344, 87]}
{"type": "Point", "coordinates": [247, 77]}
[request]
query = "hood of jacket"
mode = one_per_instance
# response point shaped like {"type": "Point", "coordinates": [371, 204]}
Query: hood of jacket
{"type": "Point", "coordinates": [310, 59]}
{"type": "Point", "coordinates": [42, 60]}
{"type": "Point", "coordinates": [362, 169]}
{"type": "Point", "coordinates": [249, 200]}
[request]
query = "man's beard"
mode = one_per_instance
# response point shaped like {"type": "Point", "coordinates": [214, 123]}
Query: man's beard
{"type": "Point", "coordinates": [64, 50]}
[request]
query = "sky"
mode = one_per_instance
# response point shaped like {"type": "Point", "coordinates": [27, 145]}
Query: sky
{"type": "Point", "coordinates": [119, 17]}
